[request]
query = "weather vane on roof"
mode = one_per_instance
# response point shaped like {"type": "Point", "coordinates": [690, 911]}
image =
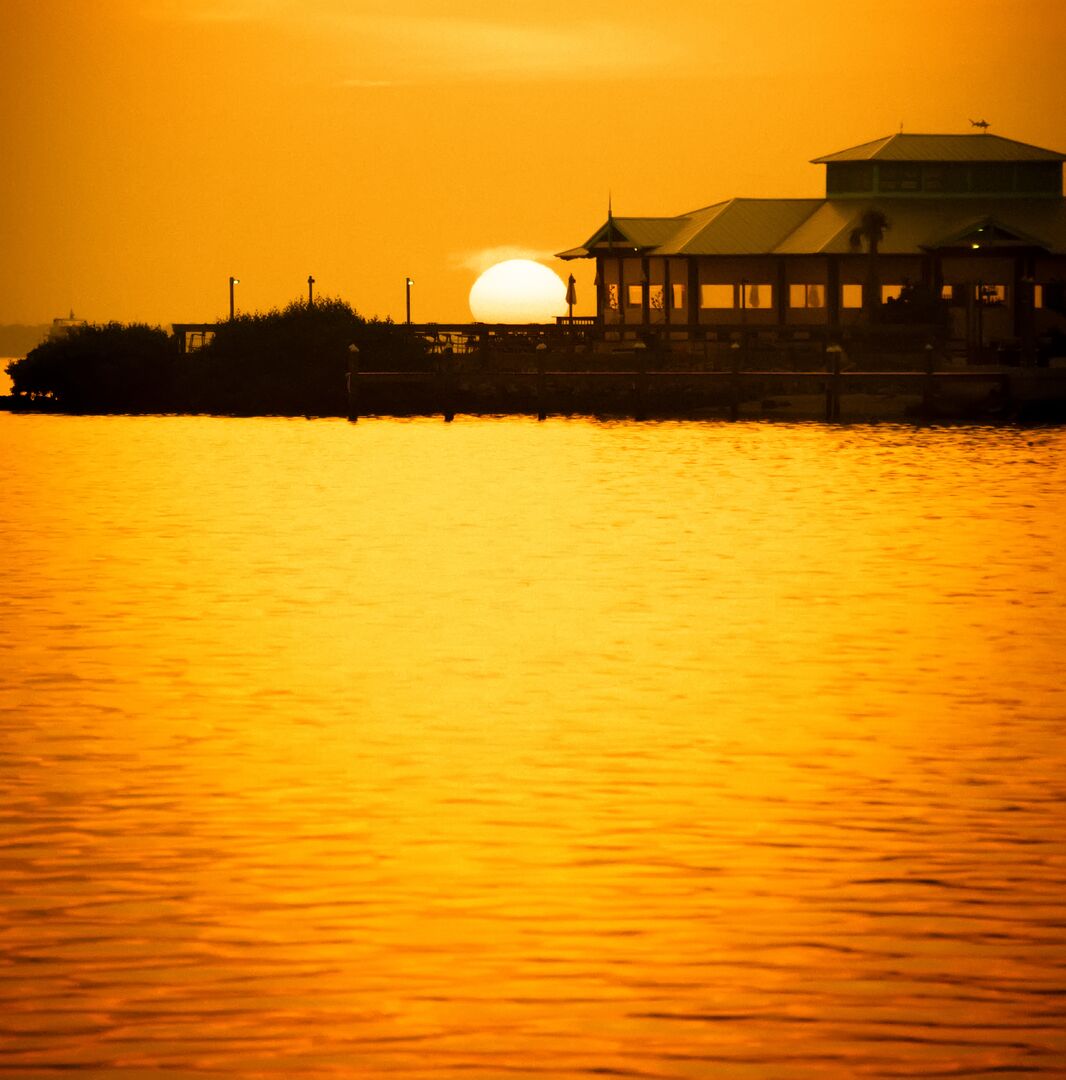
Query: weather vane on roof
{"type": "Point", "coordinates": [984, 125]}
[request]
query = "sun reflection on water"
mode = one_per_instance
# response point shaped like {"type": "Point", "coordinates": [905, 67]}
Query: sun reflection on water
{"type": "Point", "coordinates": [671, 749]}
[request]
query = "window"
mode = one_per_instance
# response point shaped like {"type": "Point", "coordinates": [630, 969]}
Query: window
{"type": "Point", "coordinates": [899, 176]}
{"type": "Point", "coordinates": [758, 297]}
{"type": "Point", "coordinates": [195, 340]}
{"type": "Point", "coordinates": [851, 296]}
{"type": "Point", "coordinates": [1038, 296]}
{"type": "Point", "coordinates": [849, 176]}
{"type": "Point", "coordinates": [933, 178]}
{"type": "Point", "coordinates": [716, 296]}
{"type": "Point", "coordinates": [991, 295]}
{"type": "Point", "coordinates": [612, 297]}
{"type": "Point", "coordinates": [634, 295]}
{"type": "Point", "coordinates": [890, 292]}
{"type": "Point", "coordinates": [946, 177]}
{"type": "Point", "coordinates": [1039, 176]}
{"type": "Point", "coordinates": [655, 297]}
{"type": "Point", "coordinates": [806, 296]}
{"type": "Point", "coordinates": [991, 176]}
{"type": "Point", "coordinates": [678, 298]}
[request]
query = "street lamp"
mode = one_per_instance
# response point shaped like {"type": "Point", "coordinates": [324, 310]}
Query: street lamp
{"type": "Point", "coordinates": [310, 291]}
{"type": "Point", "coordinates": [232, 281]}
{"type": "Point", "coordinates": [409, 283]}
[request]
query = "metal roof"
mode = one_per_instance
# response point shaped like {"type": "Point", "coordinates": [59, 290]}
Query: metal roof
{"type": "Point", "coordinates": [820, 226]}
{"type": "Point", "coordinates": [980, 147]}
{"type": "Point", "coordinates": [749, 226]}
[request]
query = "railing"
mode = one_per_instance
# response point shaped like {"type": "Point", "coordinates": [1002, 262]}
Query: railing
{"type": "Point", "coordinates": [493, 376]}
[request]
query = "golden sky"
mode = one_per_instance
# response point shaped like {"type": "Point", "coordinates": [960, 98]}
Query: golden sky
{"type": "Point", "coordinates": [151, 148]}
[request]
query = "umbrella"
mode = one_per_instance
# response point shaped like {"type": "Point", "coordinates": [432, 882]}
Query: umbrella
{"type": "Point", "coordinates": [571, 292]}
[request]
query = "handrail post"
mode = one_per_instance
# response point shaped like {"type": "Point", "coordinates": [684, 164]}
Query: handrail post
{"type": "Point", "coordinates": [542, 408]}
{"type": "Point", "coordinates": [832, 382]}
{"type": "Point", "coordinates": [929, 382]}
{"type": "Point", "coordinates": [641, 380]}
{"type": "Point", "coordinates": [446, 387]}
{"type": "Point", "coordinates": [734, 380]}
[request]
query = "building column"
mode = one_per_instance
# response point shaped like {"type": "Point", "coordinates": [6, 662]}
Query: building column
{"type": "Point", "coordinates": [781, 289]}
{"type": "Point", "coordinates": [936, 276]}
{"type": "Point", "coordinates": [667, 298]}
{"type": "Point", "coordinates": [601, 293]}
{"type": "Point", "coordinates": [645, 291]}
{"type": "Point", "coordinates": [622, 298]}
{"type": "Point", "coordinates": [693, 291]}
{"type": "Point", "coordinates": [832, 292]}
{"type": "Point", "coordinates": [1017, 300]}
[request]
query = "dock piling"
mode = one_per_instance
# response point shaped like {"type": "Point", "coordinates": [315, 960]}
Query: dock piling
{"type": "Point", "coordinates": [353, 382]}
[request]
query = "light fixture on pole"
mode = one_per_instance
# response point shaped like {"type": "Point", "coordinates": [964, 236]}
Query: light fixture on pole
{"type": "Point", "coordinates": [409, 283]}
{"type": "Point", "coordinates": [310, 291]}
{"type": "Point", "coordinates": [232, 281]}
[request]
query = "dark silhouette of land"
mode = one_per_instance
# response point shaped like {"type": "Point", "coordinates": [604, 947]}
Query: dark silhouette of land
{"type": "Point", "coordinates": [323, 359]}
{"type": "Point", "coordinates": [289, 362]}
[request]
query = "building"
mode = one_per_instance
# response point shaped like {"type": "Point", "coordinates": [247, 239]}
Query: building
{"type": "Point", "coordinates": [978, 220]}
{"type": "Point", "coordinates": [61, 327]}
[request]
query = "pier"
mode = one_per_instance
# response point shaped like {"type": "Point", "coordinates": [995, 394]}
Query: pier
{"type": "Point", "coordinates": [582, 368]}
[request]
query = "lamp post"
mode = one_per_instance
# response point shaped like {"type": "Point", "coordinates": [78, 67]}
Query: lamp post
{"type": "Point", "coordinates": [232, 281]}
{"type": "Point", "coordinates": [310, 291]}
{"type": "Point", "coordinates": [409, 283]}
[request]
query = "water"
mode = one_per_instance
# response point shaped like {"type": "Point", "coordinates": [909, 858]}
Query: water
{"type": "Point", "coordinates": [510, 749]}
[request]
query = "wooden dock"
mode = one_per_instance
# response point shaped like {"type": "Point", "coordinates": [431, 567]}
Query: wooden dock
{"type": "Point", "coordinates": [558, 369]}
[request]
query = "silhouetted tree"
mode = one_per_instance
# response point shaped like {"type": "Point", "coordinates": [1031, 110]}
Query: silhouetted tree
{"type": "Point", "coordinates": [287, 362]}
{"type": "Point", "coordinates": [108, 368]}
{"type": "Point", "coordinates": [292, 361]}
{"type": "Point", "coordinates": [870, 230]}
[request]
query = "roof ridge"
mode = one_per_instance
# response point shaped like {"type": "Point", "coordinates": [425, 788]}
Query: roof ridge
{"type": "Point", "coordinates": [806, 221]}
{"type": "Point", "coordinates": [709, 206]}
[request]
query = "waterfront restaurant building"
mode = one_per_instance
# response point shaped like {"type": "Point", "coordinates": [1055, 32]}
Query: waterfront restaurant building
{"type": "Point", "coordinates": [978, 219]}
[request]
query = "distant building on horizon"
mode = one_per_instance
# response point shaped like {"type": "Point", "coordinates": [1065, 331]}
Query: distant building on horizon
{"type": "Point", "coordinates": [977, 219]}
{"type": "Point", "coordinates": [61, 327]}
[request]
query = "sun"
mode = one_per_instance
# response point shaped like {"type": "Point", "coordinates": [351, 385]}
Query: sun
{"type": "Point", "coordinates": [518, 291]}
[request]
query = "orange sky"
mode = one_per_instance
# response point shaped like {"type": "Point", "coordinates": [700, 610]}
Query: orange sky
{"type": "Point", "coordinates": [151, 148]}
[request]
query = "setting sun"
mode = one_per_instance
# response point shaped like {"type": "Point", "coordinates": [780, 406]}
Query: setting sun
{"type": "Point", "coordinates": [518, 291]}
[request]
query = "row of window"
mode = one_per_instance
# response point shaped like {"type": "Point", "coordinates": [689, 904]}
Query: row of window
{"type": "Point", "coordinates": [948, 178]}
{"type": "Point", "coordinates": [760, 297]}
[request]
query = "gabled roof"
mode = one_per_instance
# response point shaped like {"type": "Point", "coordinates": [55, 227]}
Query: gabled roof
{"type": "Point", "coordinates": [988, 232]}
{"type": "Point", "coordinates": [903, 147]}
{"type": "Point", "coordinates": [639, 233]}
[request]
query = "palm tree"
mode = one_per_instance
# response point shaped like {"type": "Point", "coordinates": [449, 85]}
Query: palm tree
{"type": "Point", "coordinates": [870, 230]}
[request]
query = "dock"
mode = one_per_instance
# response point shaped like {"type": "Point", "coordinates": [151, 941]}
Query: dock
{"type": "Point", "coordinates": [547, 370]}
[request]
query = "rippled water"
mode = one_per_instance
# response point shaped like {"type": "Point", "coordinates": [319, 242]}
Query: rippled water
{"type": "Point", "coordinates": [509, 749]}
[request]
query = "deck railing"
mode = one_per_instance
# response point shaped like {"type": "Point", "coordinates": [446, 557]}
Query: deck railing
{"type": "Point", "coordinates": [541, 369]}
